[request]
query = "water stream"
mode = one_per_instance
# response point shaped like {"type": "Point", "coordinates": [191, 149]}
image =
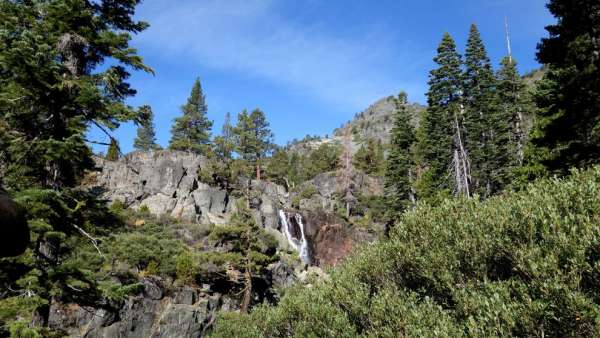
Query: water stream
{"type": "Point", "coordinates": [292, 226]}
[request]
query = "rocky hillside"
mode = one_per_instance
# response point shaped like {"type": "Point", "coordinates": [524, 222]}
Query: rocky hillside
{"type": "Point", "coordinates": [374, 123]}
{"type": "Point", "coordinates": [166, 183]}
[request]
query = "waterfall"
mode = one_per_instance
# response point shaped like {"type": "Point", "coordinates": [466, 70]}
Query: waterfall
{"type": "Point", "coordinates": [293, 229]}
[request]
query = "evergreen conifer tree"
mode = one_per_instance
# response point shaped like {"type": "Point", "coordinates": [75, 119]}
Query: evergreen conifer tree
{"type": "Point", "coordinates": [191, 131]}
{"type": "Point", "coordinates": [224, 144]}
{"type": "Point", "coordinates": [399, 185]}
{"type": "Point", "coordinates": [440, 126]}
{"type": "Point", "coordinates": [114, 151]}
{"type": "Point", "coordinates": [514, 104]}
{"type": "Point", "coordinates": [485, 124]}
{"type": "Point", "coordinates": [370, 157]}
{"type": "Point", "coordinates": [254, 139]}
{"type": "Point", "coordinates": [252, 250]}
{"type": "Point", "coordinates": [567, 128]}
{"type": "Point", "coordinates": [146, 136]}
{"type": "Point", "coordinates": [51, 88]}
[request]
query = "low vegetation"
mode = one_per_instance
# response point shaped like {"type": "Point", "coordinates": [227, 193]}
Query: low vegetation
{"type": "Point", "coordinates": [525, 264]}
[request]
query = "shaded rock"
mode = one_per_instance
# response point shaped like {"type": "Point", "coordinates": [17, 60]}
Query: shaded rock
{"type": "Point", "coordinates": [186, 314]}
{"type": "Point", "coordinates": [186, 296]}
{"type": "Point", "coordinates": [282, 274]}
{"type": "Point", "coordinates": [329, 236]}
{"type": "Point", "coordinates": [152, 288]}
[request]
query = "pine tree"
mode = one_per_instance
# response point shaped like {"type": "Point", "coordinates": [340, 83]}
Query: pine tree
{"type": "Point", "coordinates": [514, 104]}
{"type": "Point", "coordinates": [567, 128]}
{"type": "Point", "coordinates": [224, 144]}
{"type": "Point", "coordinates": [191, 131]}
{"type": "Point", "coordinates": [370, 157]}
{"type": "Point", "coordinates": [252, 250]}
{"type": "Point", "coordinates": [114, 151]}
{"type": "Point", "coordinates": [254, 139]}
{"type": "Point", "coordinates": [56, 82]}
{"type": "Point", "coordinates": [399, 175]}
{"type": "Point", "coordinates": [440, 141]}
{"type": "Point", "coordinates": [485, 124]}
{"type": "Point", "coordinates": [51, 88]}
{"type": "Point", "coordinates": [146, 136]}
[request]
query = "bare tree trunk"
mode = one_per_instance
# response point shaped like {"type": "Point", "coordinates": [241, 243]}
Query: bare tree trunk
{"type": "Point", "coordinates": [247, 274]}
{"type": "Point", "coordinates": [258, 169]}
{"type": "Point", "coordinates": [461, 164]}
{"type": "Point", "coordinates": [412, 194]}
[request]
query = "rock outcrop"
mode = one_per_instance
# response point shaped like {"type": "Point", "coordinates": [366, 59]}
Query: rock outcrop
{"type": "Point", "coordinates": [166, 183]}
{"type": "Point", "coordinates": [154, 313]}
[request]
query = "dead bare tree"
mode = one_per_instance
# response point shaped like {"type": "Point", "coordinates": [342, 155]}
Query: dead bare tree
{"type": "Point", "coordinates": [461, 166]}
{"type": "Point", "coordinates": [346, 174]}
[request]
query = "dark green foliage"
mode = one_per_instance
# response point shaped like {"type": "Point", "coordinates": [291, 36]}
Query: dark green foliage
{"type": "Point", "coordinates": [567, 128]}
{"type": "Point", "coordinates": [485, 125]}
{"type": "Point", "coordinates": [114, 151]}
{"type": "Point", "coordinates": [400, 163]}
{"type": "Point", "coordinates": [186, 267]}
{"type": "Point", "coordinates": [323, 159]}
{"type": "Point", "coordinates": [515, 105]}
{"type": "Point", "coordinates": [436, 134]}
{"type": "Point", "coordinates": [152, 246]}
{"type": "Point", "coordinates": [146, 136]}
{"type": "Point", "coordinates": [224, 144]}
{"type": "Point", "coordinates": [62, 262]}
{"type": "Point", "coordinates": [281, 168]}
{"type": "Point", "coordinates": [51, 88]}
{"type": "Point", "coordinates": [251, 249]}
{"type": "Point", "coordinates": [370, 158]}
{"type": "Point", "coordinates": [523, 265]}
{"type": "Point", "coordinates": [253, 138]}
{"type": "Point", "coordinates": [191, 131]}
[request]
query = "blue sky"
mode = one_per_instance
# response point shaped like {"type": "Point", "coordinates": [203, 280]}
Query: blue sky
{"type": "Point", "coordinates": [309, 64]}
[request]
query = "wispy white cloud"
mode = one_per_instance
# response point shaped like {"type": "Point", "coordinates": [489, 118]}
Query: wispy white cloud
{"type": "Point", "coordinates": [254, 37]}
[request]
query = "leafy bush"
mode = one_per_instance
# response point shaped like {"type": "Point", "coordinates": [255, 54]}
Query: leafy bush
{"type": "Point", "coordinates": [308, 191]}
{"type": "Point", "coordinates": [525, 264]}
{"type": "Point", "coordinates": [139, 249]}
{"type": "Point", "coordinates": [186, 267]}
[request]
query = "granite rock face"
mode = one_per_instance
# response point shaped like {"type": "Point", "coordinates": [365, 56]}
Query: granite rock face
{"type": "Point", "coordinates": [153, 313]}
{"type": "Point", "coordinates": [166, 183]}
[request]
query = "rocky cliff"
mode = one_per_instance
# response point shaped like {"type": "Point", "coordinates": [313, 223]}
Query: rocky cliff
{"type": "Point", "coordinates": [166, 183]}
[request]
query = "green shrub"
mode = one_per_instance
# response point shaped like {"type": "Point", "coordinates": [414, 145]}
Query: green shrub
{"type": "Point", "coordinates": [525, 264]}
{"type": "Point", "coordinates": [139, 249]}
{"type": "Point", "coordinates": [308, 191]}
{"type": "Point", "coordinates": [186, 267]}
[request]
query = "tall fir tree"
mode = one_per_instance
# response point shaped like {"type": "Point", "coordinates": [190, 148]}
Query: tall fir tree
{"type": "Point", "coordinates": [56, 82]}
{"type": "Point", "coordinates": [514, 103]}
{"type": "Point", "coordinates": [254, 138]}
{"type": "Point", "coordinates": [567, 127]}
{"type": "Point", "coordinates": [485, 125]}
{"type": "Point", "coordinates": [146, 136]}
{"type": "Point", "coordinates": [224, 144]}
{"type": "Point", "coordinates": [52, 88]}
{"type": "Point", "coordinates": [399, 173]}
{"type": "Point", "coordinates": [191, 131]}
{"type": "Point", "coordinates": [438, 130]}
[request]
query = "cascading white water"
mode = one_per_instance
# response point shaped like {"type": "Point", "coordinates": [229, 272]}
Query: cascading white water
{"type": "Point", "coordinates": [299, 244]}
